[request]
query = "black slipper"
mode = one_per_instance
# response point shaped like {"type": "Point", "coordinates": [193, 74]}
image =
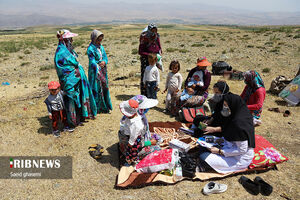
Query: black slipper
{"type": "Point", "coordinates": [249, 185]}
{"type": "Point", "coordinates": [265, 188]}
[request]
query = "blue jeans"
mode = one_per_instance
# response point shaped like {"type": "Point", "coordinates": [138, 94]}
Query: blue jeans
{"type": "Point", "coordinates": [151, 91]}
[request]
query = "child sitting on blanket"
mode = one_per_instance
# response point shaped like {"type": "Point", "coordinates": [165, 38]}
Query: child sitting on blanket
{"type": "Point", "coordinates": [135, 126]}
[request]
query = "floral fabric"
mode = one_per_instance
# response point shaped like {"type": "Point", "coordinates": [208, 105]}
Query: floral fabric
{"type": "Point", "coordinates": [265, 154]}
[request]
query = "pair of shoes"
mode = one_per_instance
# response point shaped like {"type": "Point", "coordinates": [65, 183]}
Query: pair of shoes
{"type": "Point", "coordinates": [56, 133]}
{"type": "Point", "coordinates": [68, 129]}
{"type": "Point", "coordinates": [275, 109]}
{"type": "Point", "coordinates": [257, 186]}
{"type": "Point", "coordinates": [214, 188]}
{"type": "Point", "coordinates": [96, 151]}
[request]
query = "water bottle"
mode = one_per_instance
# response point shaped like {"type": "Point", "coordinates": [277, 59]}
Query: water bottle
{"type": "Point", "coordinates": [177, 173]}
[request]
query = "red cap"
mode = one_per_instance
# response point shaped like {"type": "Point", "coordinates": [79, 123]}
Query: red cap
{"type": "Point", "coordinates": [53, 85]}
{"type": "Point", "coordinates": [133, 103]}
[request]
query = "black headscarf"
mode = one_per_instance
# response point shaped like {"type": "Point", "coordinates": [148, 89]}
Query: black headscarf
{"type": "Point", "coordinates": [239, 126]}
{"type": "Point", "coordinates": [222, 86]}
{"type": "Point", "coordinates": [218, 118]}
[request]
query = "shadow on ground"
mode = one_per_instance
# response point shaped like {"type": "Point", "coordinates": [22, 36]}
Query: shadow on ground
{"type": "Point", "coordinates": [46, 125]}
{"type": "Point", "coordinates": [281, 102]}
{"type": "Point", "coordinates": [158, 109]}
{"type": "Point", "coordinates": [124, 97]}
{"type": "Point", "coordinates": [112, 158]}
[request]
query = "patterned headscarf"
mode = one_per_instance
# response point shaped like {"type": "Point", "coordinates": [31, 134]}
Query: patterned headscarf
{"type": "Point", "coordinates": [65, 37]}
{"type": "Point", "coordinates": [253, 81]}
{"type": "Point", "coordinates": [94, 35]}
{"type": "Point", "coordinates": [151, 34]}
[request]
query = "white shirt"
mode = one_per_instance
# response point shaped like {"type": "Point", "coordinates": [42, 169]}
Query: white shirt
{"type": "Point", "coordinates": [133, 128]}
{"type": "Point", "coordinates": [237, 156]}
{"type": "Point", "coordinates": [174, 81]}
{"type": "Point", "coordinates": [55, 102]}
{"type": "Point", "coordinates": [151, 74]}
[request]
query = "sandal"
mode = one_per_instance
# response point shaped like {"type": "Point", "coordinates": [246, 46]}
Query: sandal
{"type": "Point", "coordinates": [265, 188]}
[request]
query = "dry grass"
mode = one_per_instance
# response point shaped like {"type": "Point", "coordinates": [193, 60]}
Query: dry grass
{"type": "Point", "coordinates": [26, 132]}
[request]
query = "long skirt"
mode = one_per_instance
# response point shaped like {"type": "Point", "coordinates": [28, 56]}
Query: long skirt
{"type": "Point", "coordinates": [144, 64]}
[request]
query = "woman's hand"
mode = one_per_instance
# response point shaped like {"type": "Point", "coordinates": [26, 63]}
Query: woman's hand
{"type": "Point", "coordinates": [214, 150]}
{"type": "Point", "coordinates": [208, 121]}
{"type": "Point", "coordinates": [209, 130]}
{"type": "Point", "coordinates": [77, 73]}
{"type": "Point", "coordinates": [153, 142]}
{"type": "Point", "coordinates": [102, 64]}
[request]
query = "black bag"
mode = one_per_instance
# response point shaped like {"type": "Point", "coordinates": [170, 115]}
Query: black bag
{"type": "Point", "coordinates": [188, 165]}
{"type": "Point", "coordinates": [219, 67]}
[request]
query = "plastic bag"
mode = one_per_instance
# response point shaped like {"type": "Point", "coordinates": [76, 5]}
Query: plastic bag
{"type": "Point", "coordinates": [158, 161]}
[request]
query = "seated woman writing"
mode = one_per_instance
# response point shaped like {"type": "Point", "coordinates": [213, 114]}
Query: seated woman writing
{"type": "Point", "coordinates": [197, 92]}
{"type": "Point", "coordinates": [235, 124]}
{"type": "Point", "coordinates": [254, 94]}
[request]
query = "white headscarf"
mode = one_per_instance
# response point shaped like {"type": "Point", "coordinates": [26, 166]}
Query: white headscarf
{"type": "Point", "coordinates": [94, 35]}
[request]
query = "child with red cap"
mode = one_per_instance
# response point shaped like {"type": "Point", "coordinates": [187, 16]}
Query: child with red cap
{"type": "Point", "coordinates": [56, 108]}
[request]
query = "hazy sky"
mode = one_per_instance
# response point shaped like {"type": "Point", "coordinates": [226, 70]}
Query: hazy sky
{"type": "Point", "coordinates": [253, 5]}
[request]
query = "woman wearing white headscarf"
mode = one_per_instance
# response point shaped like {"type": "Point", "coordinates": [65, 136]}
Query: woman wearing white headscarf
{"type": "Point", "coordinates": [79, 100]}
{"type": "Point", "coordinates": [98, 72]}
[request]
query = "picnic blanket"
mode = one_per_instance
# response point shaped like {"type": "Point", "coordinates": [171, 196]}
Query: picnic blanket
{"type": "Point", "coordinates": [266, 157]}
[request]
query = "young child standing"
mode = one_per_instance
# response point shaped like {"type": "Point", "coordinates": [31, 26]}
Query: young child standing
{"type": "Point", "coordinates": [56, 108]}
{"type": "Point", "coordinates": [173, 85]}
{"type": "Point", "coordinates": [151, 77]}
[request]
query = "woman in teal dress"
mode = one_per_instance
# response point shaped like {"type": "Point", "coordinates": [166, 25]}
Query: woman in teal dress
{"type": "Point", "coordinates": [79, 100]}
{"type": "Point", "coordinates": [98, 72]}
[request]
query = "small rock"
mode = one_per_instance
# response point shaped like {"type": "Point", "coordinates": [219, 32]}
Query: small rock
{"type": "Point", "coordinates": [128, 197]}
{"type": "Point", "coordinates": [188, 195]}
{"type": "Point", "coordinates": [56, 185]}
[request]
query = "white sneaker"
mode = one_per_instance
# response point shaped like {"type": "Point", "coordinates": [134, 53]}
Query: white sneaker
{"type": "Point", "coordinates": [214, 188]}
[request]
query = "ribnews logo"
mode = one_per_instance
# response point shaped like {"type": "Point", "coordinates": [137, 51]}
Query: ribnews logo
{"type": "Point", "coordinates": [40, 163]}
{"type": "Point", "coordinates": [36, 167]}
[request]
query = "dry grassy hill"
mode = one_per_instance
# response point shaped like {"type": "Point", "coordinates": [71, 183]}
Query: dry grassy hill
{"type": "Point", "coordinates": [26, 62]}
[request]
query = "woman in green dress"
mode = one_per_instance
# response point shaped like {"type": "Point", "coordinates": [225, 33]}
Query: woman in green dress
{"type": "Point", "coordinates": [98, 72]}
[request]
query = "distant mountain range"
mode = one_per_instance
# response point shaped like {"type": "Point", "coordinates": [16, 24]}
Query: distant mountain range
{"type": "Point", "coordinates": [76, 13]}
